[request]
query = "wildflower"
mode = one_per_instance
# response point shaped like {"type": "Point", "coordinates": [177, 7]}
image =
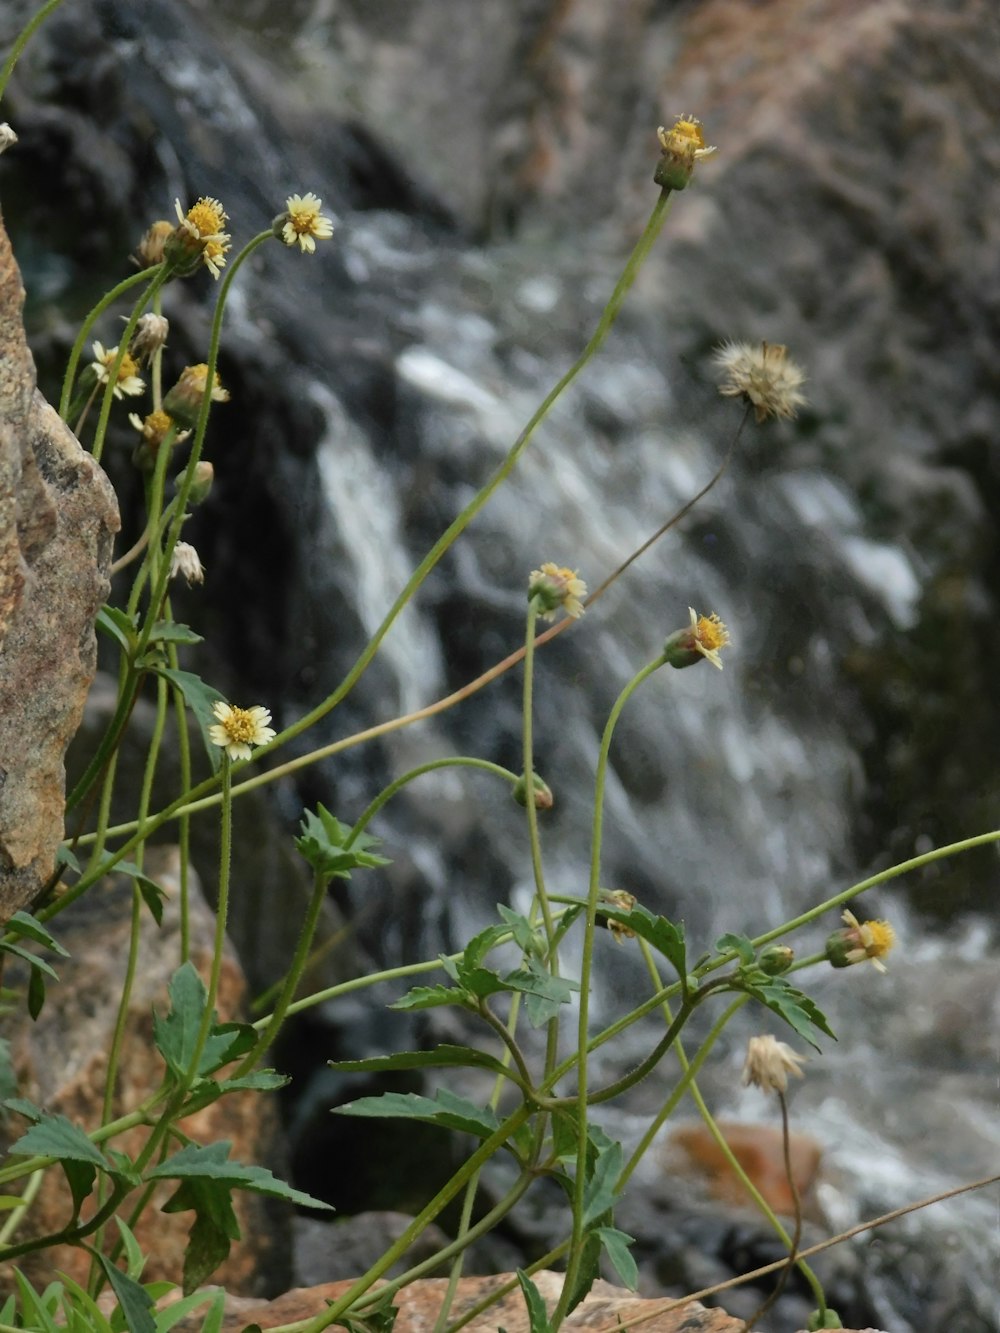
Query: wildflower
{"type": "Point", "coordinates": [239, 728]}
{"type": "Point", "coordinates": [150, 249]}
{"type": "Point", "coordinates": [199, 237]}
{"type": "Point", "coordinates": [860, 941]}
{"type": "Point", "coordinates": [302, 223]}
{"type": "Point", "coordinates": [185, 563]}
{"type": "Point", "coordinates": [765, 376]}
{"type": "Point", "coordinates": [769, 1062]}
{"type": "Point", "coordinates": [149, 336]}
{"type": "Point", "coordinates": [555, 587]}
{"type": "Point", "coordinates": [683, 146]}
{"type": "Point", "coordinates": [154, 428]}
{"type": "Point", "coordinates": [776, 959]}
{"type": "Point", "coordinates": [184, 400]}
{"type": "Point", "coordinates": [703, 638]}
{"type": "Point", "coordinates": [622, 901]}
{"type": "Point", "coordinates": [544, 800]}
{"type": "Point", "coordinates": [7, 137]}
{"type": "Point", "coordinates": [128, 381]}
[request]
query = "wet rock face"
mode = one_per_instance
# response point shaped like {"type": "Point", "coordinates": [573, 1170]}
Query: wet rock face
{"type": "Point", "coordinates": [58, 517]}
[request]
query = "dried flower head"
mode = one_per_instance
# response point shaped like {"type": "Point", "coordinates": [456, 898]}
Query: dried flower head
{"type": "Point", "coordinates": [184, 563]}
{"type": "Point", "coordinates": [769, 1062]}
{"type": "Point", "coordinates": [150, 249]}
{"type": "Point", "coordinates": [683, 145]}
{"type": "Point", "coordinates": [7, 137]}
{"type": "Point", "coordinates": [238, 729]}
{"type": "Point", "coordinates": [127, 381]}
{"type": "Point", "coordinates": [199, 237]}
{"type": "Point", "coordinates": [150, 335]}
{"type": "Point", "coordinates": [555, 587]}
{"type": "Point", "coordinates": [860, 942]}
{"type": "Point", "coordinates": [765, 376]}
{"type": "Point", "coordinates": [302, 223]}
{"type": "Point", "coordinates": [184, 400]}
{"type": "Point", "coordinates": [622, 901]}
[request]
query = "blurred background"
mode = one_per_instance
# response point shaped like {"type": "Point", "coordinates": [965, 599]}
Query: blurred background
{"type": "Point", "coordinates": [488, 164]}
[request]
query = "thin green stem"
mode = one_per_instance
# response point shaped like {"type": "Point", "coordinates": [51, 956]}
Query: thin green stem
{"type": "Point", "coordinates": [528, 765]}
{"type": "Point", "coordinates": [133, 280]}
{"type": "Point", "coordinates": [17, 1215]}
{"type": "Point", "coordinates": [24, 37]}
{"type": "Point", "coordinates": [454, 761]}
{"type": "Point", "coordinates": [586, 967]}
{"type": "Point", "coordinates": [159, 278]}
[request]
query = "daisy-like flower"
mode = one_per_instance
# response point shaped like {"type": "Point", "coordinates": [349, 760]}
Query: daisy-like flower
{"type": "Point", "coordinates": [302, 223]}
{"type": "Point", "coordinates": [555, 587]}
{"type": "Point", "coordinates": [199, 237]}
{"type": "Point", "coordinates": [183, 402]}
{"type": "Point", "coordinates": [769, 1062]}
{"type": "Point", "coordinates": [128, 380]}
{"type": "Point", "coordinates": [765, 376]}
{"type": "Point", "coordinates": [683, 145]}
{"type": "Point", "coordinates": [239, 728]}
{"type": "Point", "coordinates": [154, 427]}
{"type": "Point", "coordinates": [184, 563]}
{"type": "Point", "coordinates": [708, 635]}
{"type": "Point", "coordinates": [860, 941]}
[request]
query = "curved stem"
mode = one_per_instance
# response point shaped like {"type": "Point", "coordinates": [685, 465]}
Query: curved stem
{"type": "Point", "coordinates": [455, 761]}
{"type": "Point", "coordinates": [109, 298]}
{"type": "Point", "coordinates": [24, 37]}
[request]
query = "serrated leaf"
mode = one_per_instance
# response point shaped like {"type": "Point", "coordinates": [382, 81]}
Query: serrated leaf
{"type": "Point", "coordinates": [739, 945]}
{"type": "Point", "coordinates": [525, 935]}
{"type": "Point", "coordinates": [665, 936]}
{"type": "Point", "coordinates": [261, 1080]}
{"type": "Point", "coordinates": [481, 982]}
{"type": "Point", "coordinates": [792, 1005]}
{"type": "Point", "coordinates": [55, 1136]}
{"type": "Point", "coordinates": [545, 993]}
{"type": "Point", "coordinates": [439, 1057]}
{"type": "Point", "coordinates": [134, 1303]}
{"type": "Point", "coordinates": [117, 625]}
{"type": "Point", "coordinates": [323, 842]}
{"type": "Point", "coordinates": [430, 997]}
{"type": "Point", "coordinates": [444, 1108]}
{"type": "Point", "coordinates": [601, 1187]}
{"type": "Point", "coordinates": [538, 1315]}
{"type": "Point", "coordinates": [480, 945]}
{"type": "Point", "coordinates": [211, 1162]}
{"type": "Point", "coordinates": [175, 1035]}
{"type": "Point", "coordinates": [23, 1106]}
{"type": "Point", "coordinates": [616, 1246]}
{"type": "Point", "coordinates": [152, 894]}
{"type": "Point", "coordinates": [199, 697]}
{"type": "Point", "coordinates": [22, 923]}
{"type": "Point", "coordinates": [171, 631]}
{"type": "Point", "coordinates": [588, 1273]}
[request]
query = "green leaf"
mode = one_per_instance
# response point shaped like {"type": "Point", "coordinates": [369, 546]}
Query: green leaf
{"type": "Point", "coordinates": [36, 993]}
{"type": "Point", "coordinates": [739, 945]}
{"type": "Point", "coordinates": [65, 856]}
{"type": "Point", "coordinates": [135, 1259]}
{"type": "Point", "coordinates": [480, 945]}
{"type": "Point", "coordinates": [480, 982]}
{"type": "Point", "coordinates": [32, 959]}
{"type": "Point", "coordinates": [616, 1245]}
{"type": "Point", "coordinates": [439, 1057]}
{"type": "Point", "coordinates": [525, 935]}
{"type": "Point", "coordinates": [153, 894]}
{"type": "Point", "coordinates": [81, 1177]}
{"type": "Point", "coordinates": [173, 1314]}
{"type": "Point", "coordinates": [119, 626]}
{"type": "Point", "coordinates": [588, 1272]}
{"type": "Point", "coordinates": [261, 1080]}
{"type": "Point", "coordinates": [210, 1162]}
{"type": "Point", "coordinates": [35, 1312]}
{"type": "Point", "coordinates": [430, 997]}
{"type": "Point", "coordinates": [171, 631]}
{"type": "Point", "coordinates": [133, 1301]}
{"type": "Point", "coordinates": [55, 1136]}
{"type": "Point", "coordinates": [600, 1192]}
{"type": "Point", "coordinates": [176, 1035]}
{"type": "Point", "coordinates": [666, 937]}
{"type": "Point", "coordinates": [444, 1108]}
{"type": "Point", "coordinates": [199, 697]}
{"type": "Point", "coordinates": [538, 1315]}
{"type": "Point", "coordinates": [323, 844]}
{"type": "Point", "coordinates": [545, 993]}
{"type": "Point", "coordinates": [21, 923]}
{"type": "Point", "coordinates": [22, 1106]}
{"type": "Point", "coordinates": [794, 1006]}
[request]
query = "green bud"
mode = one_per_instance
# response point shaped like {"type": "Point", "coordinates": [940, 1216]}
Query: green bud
{"type": "Point", "coordinates": [544, 800]}
{"type": "Point", "coordinates": [775, 959]}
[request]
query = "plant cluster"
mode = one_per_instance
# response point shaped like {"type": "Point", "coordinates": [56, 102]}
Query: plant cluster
{"type": "Point", "coordinates": [540, 1111]}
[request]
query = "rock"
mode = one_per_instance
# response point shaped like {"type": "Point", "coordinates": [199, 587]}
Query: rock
{"type": "Point", "coordinates": [61, 1062]}
{"type": "Point", "coordinates": [330, 1251]}
{"type": "Point", "coordinates": [58, 517]}
{"type": "Point", "coordinates": [758, 1149]}
{"type": "Point", "coordinates": [420, 1302]}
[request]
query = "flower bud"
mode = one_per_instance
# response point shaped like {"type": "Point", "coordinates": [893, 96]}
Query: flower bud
{"type": "Point", "coordinates": [544, 800]}
{"type": "Point", "coordinates": [201, 486]}
{"type": "Point", "coordinates": [683, 146]}
{"type": "Point", "coordinates": [702, 639]}
{"type": "Point", "coordinates": [776, 959]}
{"type": "Point", "coordinates": [183, 402]}
{"type": "Point", "coordinates": [554, 586]}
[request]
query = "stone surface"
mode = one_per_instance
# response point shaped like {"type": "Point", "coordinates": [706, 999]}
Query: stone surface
{"type": "Point", "coordinates": [58, 517]}
{"type": "Point", "coordinates": [420, 1302]}
{"type": "Point", "coordinates": [61, 1062]}
{"type": "Point", "coordinates": [758, 1149]}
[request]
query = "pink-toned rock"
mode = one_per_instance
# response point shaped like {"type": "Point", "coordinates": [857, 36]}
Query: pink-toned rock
{"type": "Point", "coordinates": [58, 517]}
{"type": "Point", "coordinates": [758, 1149]}
{"type": "Point", "coordinates": [61, 1062]}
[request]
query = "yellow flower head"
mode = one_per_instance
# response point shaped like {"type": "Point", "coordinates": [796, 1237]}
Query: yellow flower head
{"type": "Point", "coordinates": [708, 635]}
{"type": "Point", "coordinates": [199, 237]}
{"type": "Point", "coordinates": [769, 1062]}
{"type": "Point", "coordinates": [238, 729]}
{"type": "Point", "coordinates": [302, 223]}
{"type": "Point", "coordinates": [154, 427]}
{"type": "Point", "coordinates": [128, 380]}
{"type": "Point", "coordinates": [555, 587]}
{"type": "Point", "coordinates": [765, 376]}
{"type": "Point", "coordinates": [868, 939]}
{"type": "Point", "coordinates": [183, 402]}
{"type": "Point", "coordinates": [683, 145]}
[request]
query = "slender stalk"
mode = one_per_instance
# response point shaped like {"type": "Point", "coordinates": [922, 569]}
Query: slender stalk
{"type": "Point", "coordinates": [779, 1286]}
{"type": "Point", "coordinates": [455, 761]}
{"type": "Point", "coordinates": [160, 276]}
{"type": "Point", "coordinates": [24, 37]}
{"type": "Point", "coordinates": [528, 765]}
{"type": "Point", "coordinates": [108, 299]}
